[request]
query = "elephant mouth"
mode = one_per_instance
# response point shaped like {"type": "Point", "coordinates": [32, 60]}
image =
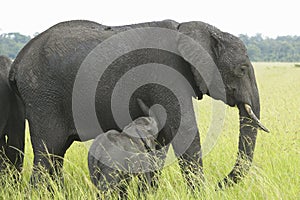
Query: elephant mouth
{"type": "Point", "coordinates": [253, 118]}
{"type": "Point", "coordinates": [230, 101]}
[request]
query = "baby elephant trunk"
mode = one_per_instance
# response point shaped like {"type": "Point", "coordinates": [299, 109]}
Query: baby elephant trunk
{"type": "Point", "coordinates": [146, 110]}
{"type": "Point", "coordinates": [150, 128]}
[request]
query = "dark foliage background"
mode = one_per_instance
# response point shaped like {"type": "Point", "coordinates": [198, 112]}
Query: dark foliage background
{"type": "Point", "coordinates": [12, 43]}
{"type": "Point", "coordinates": [281, 49]}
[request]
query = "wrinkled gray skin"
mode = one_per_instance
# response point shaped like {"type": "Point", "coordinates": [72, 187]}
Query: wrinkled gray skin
{"type": "Point", "coordinates": [44, 73]}
{"type": "Point", "coordinates": [12, 121]}
{"type": "Point", "coordinates": [115, 156]}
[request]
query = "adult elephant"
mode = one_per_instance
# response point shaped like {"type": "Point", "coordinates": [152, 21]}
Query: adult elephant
{"type": "Point", "coordinates": [44, 74]}
{"type": "Point", "coordinates": [12, 121]}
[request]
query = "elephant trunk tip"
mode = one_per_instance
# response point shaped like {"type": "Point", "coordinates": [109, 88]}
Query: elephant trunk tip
{"type": "Point", "coordinates": [225, 183]}
{"type": "Point", "coordinates": [234, 176]}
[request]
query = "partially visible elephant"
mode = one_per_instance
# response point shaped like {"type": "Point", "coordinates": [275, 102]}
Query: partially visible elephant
{"type": "Point", "coordinates": [12, 121]}
{"type": "Point", "coordinates": [45, 70]}
{"type": "Point", "coordinates": [114, 157]}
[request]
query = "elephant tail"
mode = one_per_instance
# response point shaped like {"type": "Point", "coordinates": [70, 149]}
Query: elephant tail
{"type": "Point", "coordinates": [12, 81]}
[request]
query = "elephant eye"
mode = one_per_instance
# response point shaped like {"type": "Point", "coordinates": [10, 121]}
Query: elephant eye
{"type": "Point", "coordinates": [241, 70]}
{"type": "Point", "coordinates": [244, 68]}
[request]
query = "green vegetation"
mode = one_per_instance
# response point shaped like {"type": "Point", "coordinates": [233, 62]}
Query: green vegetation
{"type": "Point", "coordinates": [12, 43]}
{"type": "Point", "coordinates": [274, 174]}
{"type": "Point", "coordinates": [281, 49]}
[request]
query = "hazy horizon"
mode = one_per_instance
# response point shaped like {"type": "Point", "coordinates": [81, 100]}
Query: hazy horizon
{"type": "Point", "coordinates": [269, 18]}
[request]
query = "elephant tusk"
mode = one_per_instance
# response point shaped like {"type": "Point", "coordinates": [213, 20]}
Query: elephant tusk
{"type": "Point", "coordinates": [255, 119]}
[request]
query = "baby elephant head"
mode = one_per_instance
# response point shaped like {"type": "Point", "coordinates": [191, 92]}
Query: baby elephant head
{"type": "Point", "coordinates": [147, 130]}
{"type": "Point", "coordinates": [144, 128]}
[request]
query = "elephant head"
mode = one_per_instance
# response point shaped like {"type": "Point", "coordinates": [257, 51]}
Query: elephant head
{"type": "Point", "coordinates": [205, 48]}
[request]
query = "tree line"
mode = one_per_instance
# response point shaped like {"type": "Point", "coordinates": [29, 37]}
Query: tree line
{"type": "Point", "coordinates": [12, 43]}
{"type": "Point", "coordinates": [280, 49]}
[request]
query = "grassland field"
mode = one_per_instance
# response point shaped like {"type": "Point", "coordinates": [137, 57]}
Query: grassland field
{"type": "Point", "coordinates": [275, 173]}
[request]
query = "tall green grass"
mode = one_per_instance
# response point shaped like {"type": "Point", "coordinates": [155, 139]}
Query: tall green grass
{"type": "Point", "coordinates": [275, 173]}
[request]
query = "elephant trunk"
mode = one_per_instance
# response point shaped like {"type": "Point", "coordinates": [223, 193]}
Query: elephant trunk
{"type": "Point", "coordinates": [249, 122]}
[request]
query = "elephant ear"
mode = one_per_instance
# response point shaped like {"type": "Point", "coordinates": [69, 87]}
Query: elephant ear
{"type": "Point", "coordinates": [218, 44]}
{"type": "Point", "coordinates": [203, 66]}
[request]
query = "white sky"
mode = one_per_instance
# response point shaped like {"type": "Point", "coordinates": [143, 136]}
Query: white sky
{"type": "Point", "coordinates": [271, 18]}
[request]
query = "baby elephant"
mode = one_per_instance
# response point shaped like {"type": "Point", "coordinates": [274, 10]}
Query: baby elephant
{"type": "Point", "coordinates": [115, 156]}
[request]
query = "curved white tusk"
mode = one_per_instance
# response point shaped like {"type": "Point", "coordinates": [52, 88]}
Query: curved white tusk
{"type": "Point", "coordinates": [255, 119]}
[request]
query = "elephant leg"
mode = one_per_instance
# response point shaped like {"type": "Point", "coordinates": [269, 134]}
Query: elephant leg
{"type": "Point", "coordinates": [2, 150]}
{"type": "Point", "coordinates": [153, 176]}
{"type": "Point", "coordinates": [187, 149]}
{"type": "Point", "coordinates": [16, 137]}
{"type": "Point", "coordinates": [163, 143]}
{"type": "Point", "coordinates": [145, 181]}
{"type": "Point", "coordinates": [3, 129]}
{"type": "Point", "coordinates": [191, 164]}
{"type": "Point", "coordinates": [47, 163]}
{"type": "Point", "coordinates": [123, 187]}
{"type": "Point", "coordinates": [50, 141]}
